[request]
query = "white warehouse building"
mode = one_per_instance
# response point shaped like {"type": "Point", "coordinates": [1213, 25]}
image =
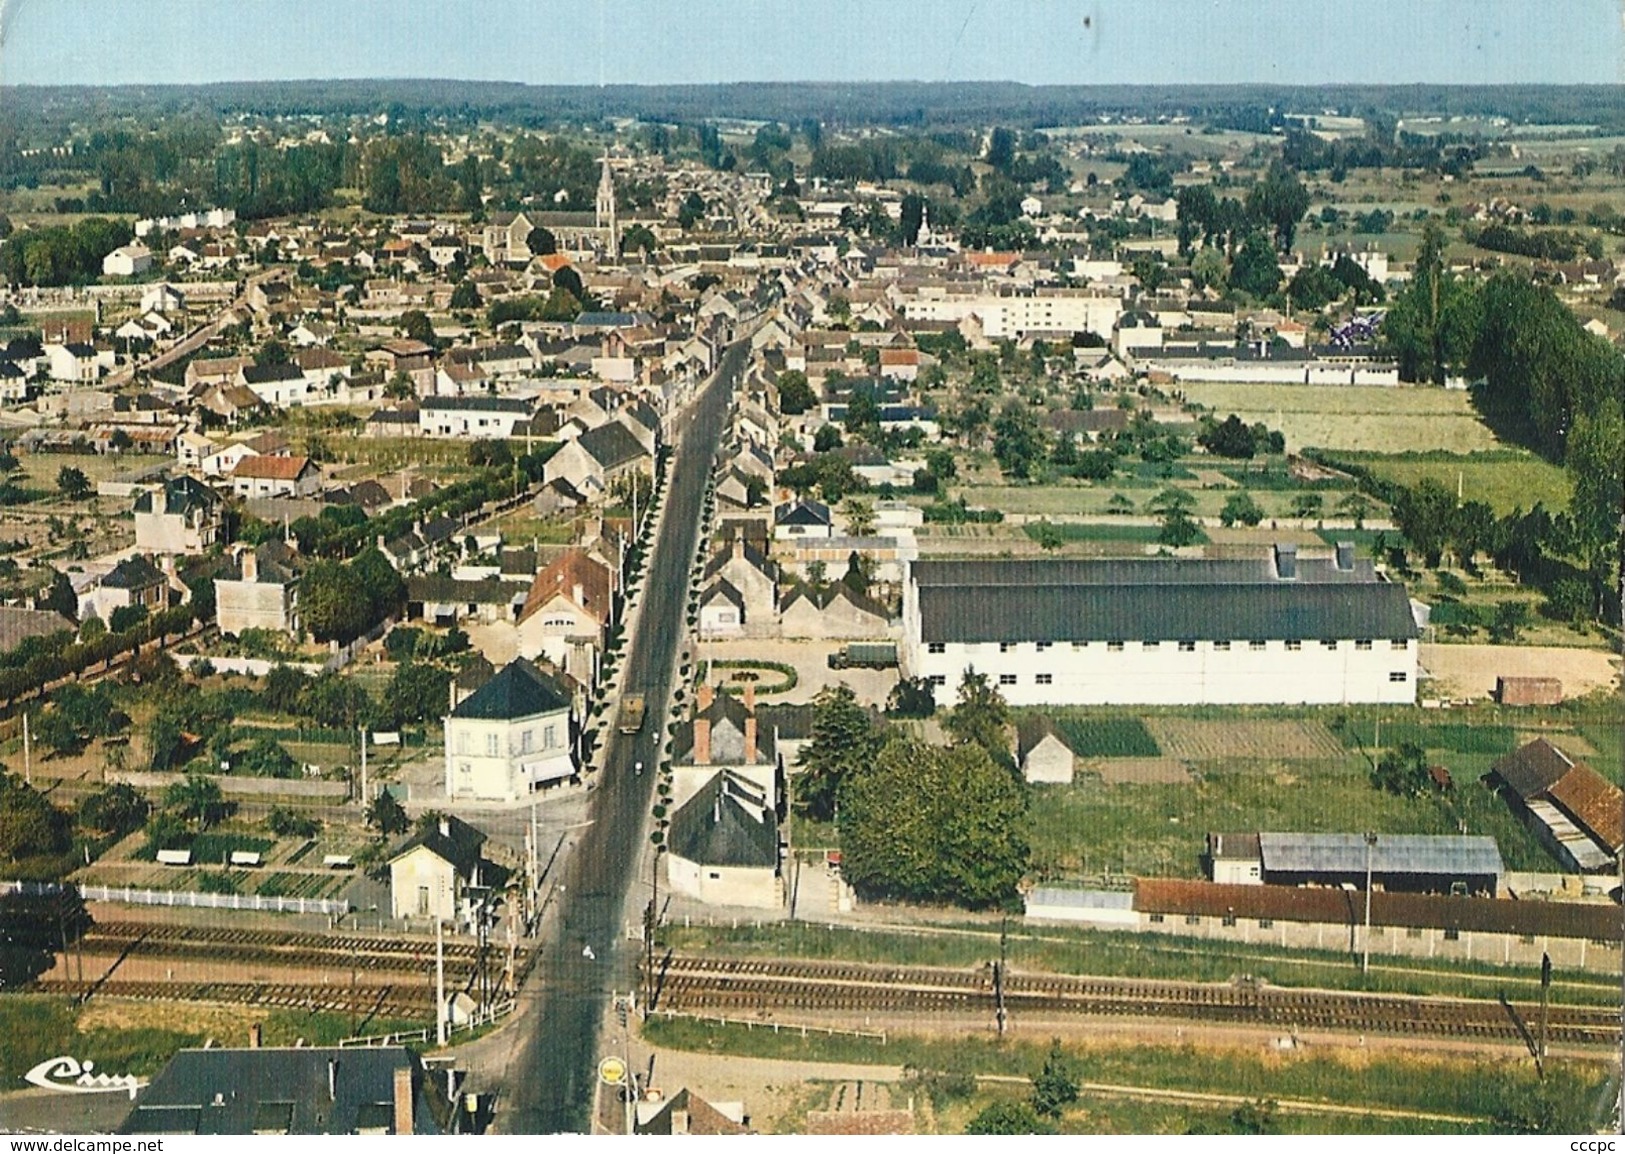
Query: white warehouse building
{"type": "Point", "coordinates": [1165, 631]}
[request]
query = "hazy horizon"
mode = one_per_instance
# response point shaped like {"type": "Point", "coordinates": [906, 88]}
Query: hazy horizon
{"type": "Point", "coordinates": [1298, 43]}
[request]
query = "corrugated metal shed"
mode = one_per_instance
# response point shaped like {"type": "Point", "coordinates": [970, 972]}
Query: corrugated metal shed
{"type": "Point", "coordinates": [1394, 853]}
{"type": "Point", "coordinates": [1062, 897]}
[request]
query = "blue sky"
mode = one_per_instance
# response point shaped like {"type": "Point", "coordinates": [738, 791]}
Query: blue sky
{"type": "Point", "coordinates": [709, 41]}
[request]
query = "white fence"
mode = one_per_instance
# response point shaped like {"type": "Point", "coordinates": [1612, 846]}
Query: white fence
{"type": "Point", "coordinates": [130, 896]}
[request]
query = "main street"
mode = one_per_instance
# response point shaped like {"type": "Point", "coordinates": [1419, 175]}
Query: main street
{"type": "Point", "coordinates": [550, 1082]}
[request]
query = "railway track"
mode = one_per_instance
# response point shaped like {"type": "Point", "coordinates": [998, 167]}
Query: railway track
{"type": "Point", "coordinates": [764, 987]}
{"type": "Point", "coordinates": [392, 1001]}
{"type": "Point", "coordinates": [277, 947]}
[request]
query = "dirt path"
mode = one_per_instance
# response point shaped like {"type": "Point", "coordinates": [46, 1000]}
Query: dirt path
{"type": "Point", "coordinates": [1471, 670]}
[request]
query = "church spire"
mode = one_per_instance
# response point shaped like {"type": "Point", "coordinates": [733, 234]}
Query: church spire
{"type": "Point", "coordinates": [605, 210]}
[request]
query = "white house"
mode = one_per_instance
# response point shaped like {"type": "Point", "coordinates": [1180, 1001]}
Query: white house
{"type": "Point", "coordinates": [131, 259]}
{"type": "Point", "coordinates": [430, 873]}
{"type": "Point", "coordinates": [267, 476]}
{"type": "Point", "coordinates": [1164, 631]}
{"type": "Point", "coordinates": [473, 417]}
{"type": "Point", "coordinates": [512, 736]}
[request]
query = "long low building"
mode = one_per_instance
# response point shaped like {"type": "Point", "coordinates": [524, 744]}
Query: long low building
{"type": "Point", "coordinates": [1415, 862]}
{"type": "Point", "coordinates": [1576, 935]}
{"type": "Point", "coordinates": [1165, 631]}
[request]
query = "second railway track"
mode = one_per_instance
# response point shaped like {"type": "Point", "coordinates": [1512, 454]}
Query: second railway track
{"type": "Point", "coordinates": [765, 987]}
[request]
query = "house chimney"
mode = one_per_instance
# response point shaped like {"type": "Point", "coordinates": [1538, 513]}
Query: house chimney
{"type": "Point", "coordinates": [739, 546]}
{"type": "Point", "coordinates": [679, 1121]}
{"type": "Point", "coordinates": [1345, 556]}
{"type": "Point", "coordinates": [160, 500]}
{"type": "Point", "coordinates": [403, 1100]}
{"type": "Point", "coordinates": [703, 697]}
{"type": "Point", "coordinates": [750, 697]}
{"type": "Point", "coordinates": [580, 595]}
{"type": "Point", "coordinates": [251, 565]}
{"type": "Point", "coordinates": [256, 1035]}
{"type": "Point", "coordinates": [1286, 561]}
{"type": "Point", "coordinates": [702, 741]}
{"type": "Point", "coordinates": [445, 827]}
{"type": "Point", "coordinates": [750, 737]}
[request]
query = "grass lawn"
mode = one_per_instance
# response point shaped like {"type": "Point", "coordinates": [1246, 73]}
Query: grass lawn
{"type": "Point", "coordinates": [1090, 828]}
{"type": "Point", "coordinates": [1504, 480]}
{"type": "Point", "coordinates": [1378, 420]}
{"type": "Point", "coordinates": [1446, 1086]}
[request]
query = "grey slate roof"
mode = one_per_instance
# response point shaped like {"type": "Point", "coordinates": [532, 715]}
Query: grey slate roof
{"type": "Point", "coordinates": [611, 444]}
{"type": "Point", "coordinates": [477, 404]}
{"type": "Point", "coordinates": [727, 823]}
{"type": "Point", "coordinates": [1394, 853]}
{"type": "Point", "coordinates": [219, 1091]}
{"type": "Point", "coordinates": [1154, 600]}
{"type": "Point", "coordinates": [1532, 769]}
{"type": "Point", "coordinates": [265, 374]}
{"type": "Point", "coordinates": [518, 690]}
{"type": "Point", "coordinates": [181, 495]}
{"type": "Point", "coordinates": [459, 843]}
{"type": "Point", "coordinates": [133, 573]}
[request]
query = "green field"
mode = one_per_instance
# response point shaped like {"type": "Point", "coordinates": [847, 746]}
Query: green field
{"type": "Point", "coordinates": [1376, 420]}
{"type": "Point", "coordinates": [1472, 1089]}
{"type": "Point", "coordinates": [1089, 828]}
{"type": "Point", "coordinates": [1503, 479]}
{"type": "Point", "coordinates": [1107, 736]}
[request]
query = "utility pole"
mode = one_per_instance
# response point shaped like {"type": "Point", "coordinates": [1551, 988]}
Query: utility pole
{"type": "Point", "coordinates": [1365, 955]}
{"type": "Point", "coordinates": [999, 1014]}
{"type": "Point", "coordinates": [1545, 997]}
{"type": "Point", "coordinates": [439, 982]}
{"type": "Point", "coordinates": [28, 759]}
{"type": "Point", "coordinates": [363, 767]}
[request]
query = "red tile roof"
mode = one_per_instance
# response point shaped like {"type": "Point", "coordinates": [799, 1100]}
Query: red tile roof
{"type": "Point", "coordinates": [272, 468]}
{"type": "Point", "coordinates": [1596, 921]}
{"type": "Point", "coordinates": [572, 569]}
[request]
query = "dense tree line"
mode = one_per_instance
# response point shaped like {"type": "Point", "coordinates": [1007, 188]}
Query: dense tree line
{"type": "Point", "coordinates": [61, 254]}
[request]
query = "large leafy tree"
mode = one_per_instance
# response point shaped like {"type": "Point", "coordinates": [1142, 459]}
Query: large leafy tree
{"type": "Point", "coordinates": [196, 798]}
{"type": "Point", "coordinates": [844, 742]}
{"type": "Point", "coordinates": [1430, 328]}
{"type": "Point", "coordinates": [980, 717]}
{"type": "Point", "coordinates": [1280, 199]}
{"type": "Point", "coordinates": [1255, 270]}
{"type": "Point", "coordinates": [30, 825]}
{"type": "Point", "coordinates": [333, 602]}
{"type": "Point", "coordinates": [925, 823]}
{"type": "Point", "coordinates": [1018, 442]}
{"type": "Point", "coordinates": [1426, 514]}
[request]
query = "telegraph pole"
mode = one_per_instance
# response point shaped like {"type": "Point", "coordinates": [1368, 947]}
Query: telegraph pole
{"type": "Point", "coordinates": [439, 982]}
{"type": "Point", "coordinates": [1365, 954]}
{"type": "Point", "coordinates": [1000, 1016]}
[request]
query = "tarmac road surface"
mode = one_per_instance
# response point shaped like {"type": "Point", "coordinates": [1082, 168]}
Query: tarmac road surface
{"type": "Point", "coordinates": [586, 956]}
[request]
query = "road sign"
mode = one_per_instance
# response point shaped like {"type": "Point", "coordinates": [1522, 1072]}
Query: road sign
{"type": "Point", "coordinates": [612, 1071]}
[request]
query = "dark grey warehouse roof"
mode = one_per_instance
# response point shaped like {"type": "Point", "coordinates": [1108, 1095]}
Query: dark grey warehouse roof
{"type": "Point", "coordinates": [1137, 571]}
{"type": "Point", "coordinates": [1152, 611]}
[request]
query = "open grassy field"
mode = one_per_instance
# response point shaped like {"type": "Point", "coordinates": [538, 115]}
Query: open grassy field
{"type": "Point", "coordinates": [1505, 479]}
{"type": "Point", "coordinates": [1452, 1086]}
{"type": "Point", "coordinates": [1377, 420]}
{"type": "Point", "coordinates": [1090, 827]}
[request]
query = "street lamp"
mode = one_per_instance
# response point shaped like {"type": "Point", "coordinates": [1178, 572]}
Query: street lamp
{"type": "Point", "coordinates": [1365, 959]}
